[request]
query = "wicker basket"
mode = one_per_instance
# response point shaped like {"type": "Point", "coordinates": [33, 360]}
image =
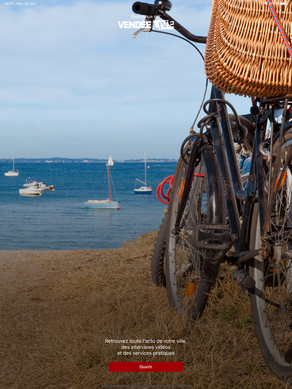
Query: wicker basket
{"type": "Point", "coordinates": [245, 52]}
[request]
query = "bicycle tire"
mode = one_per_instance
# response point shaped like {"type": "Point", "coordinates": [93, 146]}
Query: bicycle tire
{"type": "Point", "coordinates": [189, 277]}
{"type": "Point", "coordinates": [271, 299]}
{"type": "Point", "coordinates": [158, 256]}
{"type": "Point", "coordinates": [157, 260]}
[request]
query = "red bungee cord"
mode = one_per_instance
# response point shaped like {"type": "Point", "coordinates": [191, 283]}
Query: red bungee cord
{"type": "Point", "coordinates": [164, 199]}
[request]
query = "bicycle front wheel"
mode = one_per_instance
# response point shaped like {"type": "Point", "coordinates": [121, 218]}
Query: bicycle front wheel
{"type": "Point", "coordinates": [272, 298]}
{"type": "Point", "coordinates": [189, 275]}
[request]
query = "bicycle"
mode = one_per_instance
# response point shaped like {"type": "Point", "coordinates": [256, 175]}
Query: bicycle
{"type": "Point", "coordinates": [250, 227]}
{"type": "Point", "coordinates": [157, 260]}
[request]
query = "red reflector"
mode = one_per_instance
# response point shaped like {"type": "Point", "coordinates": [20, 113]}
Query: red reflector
{"type": "Point", "coordinates": [145, 366]}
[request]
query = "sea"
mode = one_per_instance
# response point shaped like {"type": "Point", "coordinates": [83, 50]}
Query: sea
{"type": "Point", "coordinates": [59, 221]}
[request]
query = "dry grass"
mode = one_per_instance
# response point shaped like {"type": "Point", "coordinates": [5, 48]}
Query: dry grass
{"type": "Point", "coordinates": [57, 309]}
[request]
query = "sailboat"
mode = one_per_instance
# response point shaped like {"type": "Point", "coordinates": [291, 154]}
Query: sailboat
{"type": "Point", "coordinates": [104, 204]}
{"type": "Point", "coordinates": [143, 189]}
{"type": "Point", "coordinates": [12, 173]}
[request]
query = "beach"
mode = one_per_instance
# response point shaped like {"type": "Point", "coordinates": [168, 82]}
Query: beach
{"type": "Point", "coordinates": [58, 308]}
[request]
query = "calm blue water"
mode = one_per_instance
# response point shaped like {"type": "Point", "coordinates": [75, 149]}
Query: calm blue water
{"type": "Point", "coordinates": [58, 220]}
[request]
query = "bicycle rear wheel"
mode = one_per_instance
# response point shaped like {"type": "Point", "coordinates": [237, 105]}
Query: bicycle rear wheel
{"type": "Point", "coordinates": [272, 298]}
{"type": "Point", "coordinates": [157, 260]}
{"type": "Point", "coordinates": [158, 255]}
{"type": "Point", "coordinates": [189, 275]}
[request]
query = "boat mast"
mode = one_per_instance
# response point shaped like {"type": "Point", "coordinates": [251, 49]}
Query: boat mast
{"type": "Point", "coordinates": [145, 171]}
{"type": "Point", "coordinates": [13, 161]}
{"type": "Point", "coordinates": [109, 181]}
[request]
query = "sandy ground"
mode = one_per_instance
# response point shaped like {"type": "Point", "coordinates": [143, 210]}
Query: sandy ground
{"type": "Point", "coordinates": [58, 307]}
{"type": "Point", "coordinates": [32, 271]}
{"type": "Point", "coordinates": [29, 306]}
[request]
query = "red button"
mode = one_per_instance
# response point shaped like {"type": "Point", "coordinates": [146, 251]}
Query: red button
{"type": "Point", "coordinates": [145, 366]}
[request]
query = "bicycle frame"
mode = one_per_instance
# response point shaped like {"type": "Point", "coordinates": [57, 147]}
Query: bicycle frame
{"type": "Point", "coordinates": [229, 171]}
{"type": "Point", "coordinates": [223, 143]}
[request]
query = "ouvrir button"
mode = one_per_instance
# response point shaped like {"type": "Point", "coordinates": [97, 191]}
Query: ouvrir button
{"type": "Point", "coordinates": [145, 366]}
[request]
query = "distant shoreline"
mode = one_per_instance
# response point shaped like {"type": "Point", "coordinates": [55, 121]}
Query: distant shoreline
{"type": "Point", "coordinates": [81, 160]}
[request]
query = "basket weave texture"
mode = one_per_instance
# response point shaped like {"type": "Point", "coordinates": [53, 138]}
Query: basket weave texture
{"type": "Point", "coordinates": [245, 52]}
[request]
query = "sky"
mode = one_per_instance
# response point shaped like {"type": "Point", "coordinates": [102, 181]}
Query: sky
{"type": "Point", "coordinates": [74, 84]}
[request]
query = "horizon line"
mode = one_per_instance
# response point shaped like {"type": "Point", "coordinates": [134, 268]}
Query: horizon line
{"type": "Point", "coordinates": [87, 159]}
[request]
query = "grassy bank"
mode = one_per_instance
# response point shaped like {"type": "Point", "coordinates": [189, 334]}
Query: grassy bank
{"type": "Point", "coordinates": [57, 309]}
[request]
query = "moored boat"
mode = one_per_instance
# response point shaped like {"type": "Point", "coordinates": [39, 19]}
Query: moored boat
{"type": "Point", "coordinates": [41, 185]}
{"type": "Point", "coordinates": [143, 189]}
{"type": "Point", "coordinates": [102, 204]}
{"type": "Point", "coordinates": [32, 190]}
{"type": "Point", "coordinates": [44, 187]}
{"type": "Point", "coordinates": [108, 203]}
{"type": "Point", "coordinates": [30, 183]}
{"type": "Point", "coordinates": [12, 173]}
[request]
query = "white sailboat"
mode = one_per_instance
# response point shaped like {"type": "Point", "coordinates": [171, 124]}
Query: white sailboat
{"type": "Point", "coordinates": [12, 173]}
{"type": "Point", "coordinates": [104, 204]}
{"type": "Point", "coordinates": [143, 189]}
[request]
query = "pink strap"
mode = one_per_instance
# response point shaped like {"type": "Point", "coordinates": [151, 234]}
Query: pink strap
{"type": "Point", "coordinates": [287, 44]}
